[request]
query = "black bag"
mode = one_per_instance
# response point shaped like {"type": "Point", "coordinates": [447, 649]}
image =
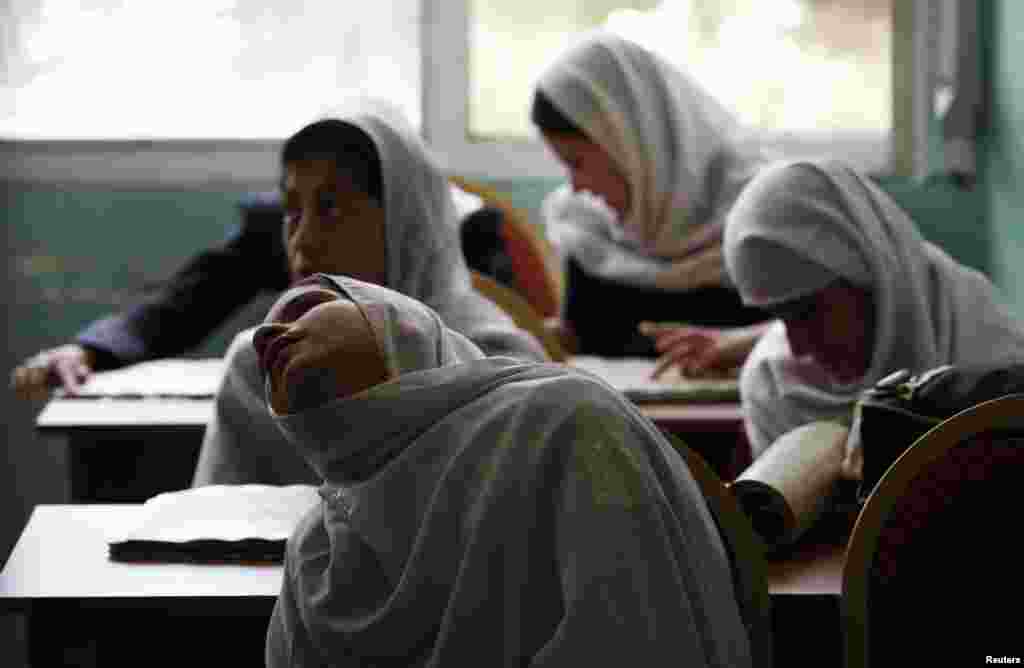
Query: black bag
{"type": "Point", "coordinates": [901, 407]}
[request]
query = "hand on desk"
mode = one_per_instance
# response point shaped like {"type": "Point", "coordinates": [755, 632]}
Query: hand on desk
{"type": "Point", "coordinates": [67, 366]}
{"type": "Point", "coordinates": [700, 351]}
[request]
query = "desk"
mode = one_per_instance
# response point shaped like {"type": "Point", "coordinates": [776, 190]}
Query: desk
{"type": "Point", "coordinates": [806, 584]}
{"type": "Point", "coordinates": [128, 449]}
{"type": "Point", "coordinates": [59, 571]}
{"type": "Point", "coordinates": [84, 609]}
{"type": "Point", "coordinates": [80, 416]}
{"type": "Point", "coordinates": [135, 431]}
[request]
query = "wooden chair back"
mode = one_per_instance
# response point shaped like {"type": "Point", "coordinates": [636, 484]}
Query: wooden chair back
{"type": "Point", "coordinates": [746, 553]}
{"type": "Point", "coordinates": [538, 276]}
{"type": "Point", "coordinates": [521, 312]}
{"type": "Point", "coordinates": [929, 565]}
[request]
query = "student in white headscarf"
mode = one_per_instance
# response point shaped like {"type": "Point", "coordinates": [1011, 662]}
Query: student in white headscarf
{"type": "Point", "coordinates": [362, 198]}
{"type": "Point", "coordinates": [858, 294]}
{"type": "Point", "coordinates": [655, 163]}
{"type": "Point", "coordinates": [478, 511]}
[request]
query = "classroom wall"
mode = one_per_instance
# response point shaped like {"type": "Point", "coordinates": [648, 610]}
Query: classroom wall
{"type": "Point", "coordinates": [1002, 166]}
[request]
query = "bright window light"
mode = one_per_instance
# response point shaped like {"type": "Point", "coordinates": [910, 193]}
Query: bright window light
{"type": "Point", "coordinates": [781, 65]}
{"type": "Point", "coordinates": [199, 69]}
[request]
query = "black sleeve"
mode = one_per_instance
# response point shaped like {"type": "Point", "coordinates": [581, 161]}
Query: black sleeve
{"type": "Point", "coordinates": [605, 314]}
{"type": "Point", "coordinates": [200, 296]}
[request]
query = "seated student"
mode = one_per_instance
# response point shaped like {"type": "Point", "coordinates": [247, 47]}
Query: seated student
{"type": "Point", "coordinates": [858, 293]}
{"type": "Point", "coordinates": [478, 511]}
{"type": "Point", "coordinates": [655, 165]}
{"type": "Point", "coordinates": [364, 199]}
{"type": "Point", "coordinates": [196, 300]}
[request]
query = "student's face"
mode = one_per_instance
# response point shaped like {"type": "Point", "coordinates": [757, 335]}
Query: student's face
{"type": "Point", "coordinates": [331, 226]}
{"type": "Point", "coordinates": [316, 349]}
{"type": "Point", "coordinates": [835, 327]}
{"type": "Point", "coordinates": [591, 168]}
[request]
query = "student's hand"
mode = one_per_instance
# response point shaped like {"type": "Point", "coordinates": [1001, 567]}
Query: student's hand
{"type": "Point", "coordinates": [699, 351]}
{"type": "Point", "coordinates": [564, 333]}
{"type": "Point", "coordinates": [67, 366]}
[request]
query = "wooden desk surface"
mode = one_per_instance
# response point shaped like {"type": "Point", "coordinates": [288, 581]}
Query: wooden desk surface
{"type": "Point", "coordinates": [62, 554]}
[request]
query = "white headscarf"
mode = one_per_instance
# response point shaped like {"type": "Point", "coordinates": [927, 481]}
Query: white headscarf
{"type": "Point", "coordinates": [488, 512]}
{"type": "Point", "coordinates": [676, 146]}
{"type": "Point", "coordinates": [796, 227]}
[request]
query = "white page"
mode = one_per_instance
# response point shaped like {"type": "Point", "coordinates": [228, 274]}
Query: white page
{"type": "Point", "coordinates": [224, 512]}
{"type": "Point", "coordinates": [632, 377]}
{"type": "Point", "coordinates": [193, 378]}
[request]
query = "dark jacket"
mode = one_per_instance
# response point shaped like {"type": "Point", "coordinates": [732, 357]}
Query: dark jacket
{"type": "Point", "coordinates": [201, 296]}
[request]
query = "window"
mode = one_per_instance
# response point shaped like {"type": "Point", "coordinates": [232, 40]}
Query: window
{"type": "Point", "coordinates": [201, 92]}
{"type": "Point", "coordinates": [810, 76]}
{"type": "Point", "coordinates": [174, 80]}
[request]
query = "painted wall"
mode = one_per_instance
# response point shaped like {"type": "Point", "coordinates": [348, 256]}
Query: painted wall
{"type": "Point", "coordinates": [1003, 165]}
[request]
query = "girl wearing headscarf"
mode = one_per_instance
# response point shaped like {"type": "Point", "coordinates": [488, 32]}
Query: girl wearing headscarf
{"type": "Point", "coordinates": [655, 164]}
{"type": "Point", "coordinates": [362, 198]}
{"type": "Point", "coordinates": [478, 511]}
{"type": "Point", "coordinates": [858, 294]}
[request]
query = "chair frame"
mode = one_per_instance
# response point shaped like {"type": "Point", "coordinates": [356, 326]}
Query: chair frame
{"type": "Point", "coordinates": [746, 551]}
{"type": "Point", "coordinates": [996, 414]}
{"type": "Point", "coordinates": [547, 304]}
{"type": "Point", "coordinates": [521, 312]}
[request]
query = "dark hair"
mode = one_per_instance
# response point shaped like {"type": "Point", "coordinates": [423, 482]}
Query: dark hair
{"type": "Point", "coordinates": [549, 118]}
{"type": "Point", "coordinates": [348, 145]}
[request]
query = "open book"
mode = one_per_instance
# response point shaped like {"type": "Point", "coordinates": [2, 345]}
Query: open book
{"type": "Point", "coordinates": [216, 524]}
{"type": "Point", "coordinates": [632, 377]}
{"type": "Point", "coordinates": [179, 378]}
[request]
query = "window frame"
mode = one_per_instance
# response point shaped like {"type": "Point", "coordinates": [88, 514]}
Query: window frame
{"type": "Point", "coordinates": [904, 150]}
{"type": "Point", "coordinates": [252, 164]}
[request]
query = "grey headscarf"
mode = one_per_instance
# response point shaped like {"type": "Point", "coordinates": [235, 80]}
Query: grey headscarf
{"type": "Point", "coordinates": [678, 148]}
{"type": "Point", "coordinates": [797, 227]}
{"type": "Point", "coordinates": [424, 256]}
{"type": "Point", "coordinates": [489, 512]}
{"type": "Point", "coordinates": [424, 261]}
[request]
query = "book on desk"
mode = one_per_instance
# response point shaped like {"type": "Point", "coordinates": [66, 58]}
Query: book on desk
{"type": "Point", "coordinates": [177, 378]}
{"type": "Point", "coordinates": [632, 377]}
{"type": "Point", "coordinates": [217, 524]}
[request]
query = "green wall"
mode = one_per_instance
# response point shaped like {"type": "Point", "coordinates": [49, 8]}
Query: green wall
{"type": "Point", "coordinates": [76, 254]}
{"type": "Point", "coordinates": [1003, 165]}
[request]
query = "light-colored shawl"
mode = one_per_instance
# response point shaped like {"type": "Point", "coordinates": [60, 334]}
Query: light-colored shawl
{"type": "Point", "coordinates": [678, 149]}
{"type": "Point", "coordinates": [424, 255]}
{"type": "Point", "coordinates": [489, 512]}
{"type": "Point", "coordinates": [796, 226]}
